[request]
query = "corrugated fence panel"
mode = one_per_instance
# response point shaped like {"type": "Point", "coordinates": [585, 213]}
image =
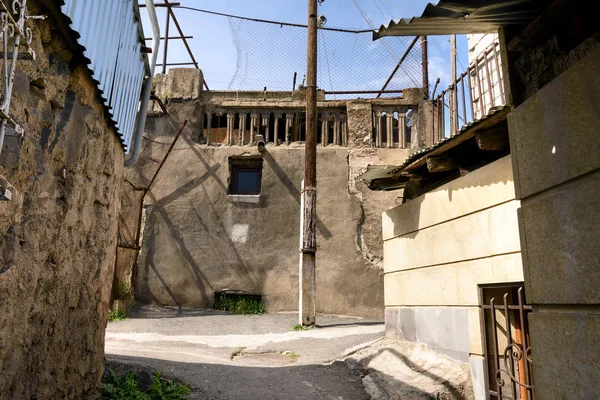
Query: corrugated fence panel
{"type": "Point", "coordinates": [109, 33]}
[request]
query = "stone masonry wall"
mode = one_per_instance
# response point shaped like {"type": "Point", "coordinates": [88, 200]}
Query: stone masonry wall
{"type": "Point", "coordinates": [58, 233]}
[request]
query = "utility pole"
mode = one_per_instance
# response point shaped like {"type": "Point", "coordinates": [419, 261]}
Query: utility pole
{"type": "Point", "coordinates": [307, 289]}
{"type": "Point", "coordinates": [425, 65]}
{"type": "Point", "coordinates": [454, 98]}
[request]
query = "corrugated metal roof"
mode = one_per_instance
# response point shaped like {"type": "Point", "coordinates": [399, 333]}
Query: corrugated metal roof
{"type": "Point", "coordinates": [463, 17]}
{"type": "Point", "coordinates": [391, 177]}
{"type": "Point", "coordinates": [413, 157]}
{"type": "Point", "coordinates": [110, 34]}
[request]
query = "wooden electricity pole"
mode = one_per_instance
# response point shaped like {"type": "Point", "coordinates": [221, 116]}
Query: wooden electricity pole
{"type": "Point", "coordinates": [307, 290]}
{"type": "Point", "coordinates": [454, 98]}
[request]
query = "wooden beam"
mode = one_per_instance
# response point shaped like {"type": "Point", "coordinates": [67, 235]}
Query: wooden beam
{"type": "Point", "coordinates": [441, 163]}
{"type": "Point", "coordinates": [493, 139]}
{"type": "Point", "coordinates": [540, 27]}
{"type": "Point", "coordinates": [461, 138]}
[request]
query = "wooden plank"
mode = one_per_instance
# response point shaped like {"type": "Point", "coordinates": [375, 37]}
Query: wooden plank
{"type": "Point", "coordinates": [492, 140]}
{"type": "Point", "coordinates": [463, 137]}
{"type": "Point", "coordinates": [441, 163]}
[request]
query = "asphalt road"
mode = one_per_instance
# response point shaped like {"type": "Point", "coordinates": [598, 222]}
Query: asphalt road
{"type": "Point", "coordinates": [224, 356]}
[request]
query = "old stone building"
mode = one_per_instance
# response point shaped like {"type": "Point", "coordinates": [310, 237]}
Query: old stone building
{"type": "Point", "coordinates": [203, 231]}
{"type": "Point", "coordinates": [61, 174]}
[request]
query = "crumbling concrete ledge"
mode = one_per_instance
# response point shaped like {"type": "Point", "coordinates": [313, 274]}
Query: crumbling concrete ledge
{"type": "Point", "coordinates": [394, 369]}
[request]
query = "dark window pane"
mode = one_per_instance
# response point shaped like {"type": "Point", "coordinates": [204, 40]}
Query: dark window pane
{"type": "Point", "coordinates": [248, 182]}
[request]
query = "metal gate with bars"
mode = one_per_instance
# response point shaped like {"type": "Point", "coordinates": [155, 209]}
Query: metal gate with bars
{"type": "Point", "coordinates": [507, 347]}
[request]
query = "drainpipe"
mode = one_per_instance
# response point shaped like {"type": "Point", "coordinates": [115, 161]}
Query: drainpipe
{"type": "Point", "coordinates": [141, 121]}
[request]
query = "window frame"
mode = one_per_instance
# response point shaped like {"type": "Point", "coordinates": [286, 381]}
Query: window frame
{"type": "Point", "coordinates": [238, 166]}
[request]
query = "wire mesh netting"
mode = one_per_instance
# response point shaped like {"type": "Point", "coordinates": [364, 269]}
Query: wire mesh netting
{"type": "Point", "coordinates": [268, 55]}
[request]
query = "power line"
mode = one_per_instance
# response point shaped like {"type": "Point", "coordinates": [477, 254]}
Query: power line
{"type": "Point", "coordinates": [386, 45]}
{"type": "Point", "coordinates": [380, 12]}
{"type": "Point", "coordinates": [266, 21]}
{"type": "Point", "coordinates": [403, 11]}
{"type": "Point", "coordinates": [327, 60]}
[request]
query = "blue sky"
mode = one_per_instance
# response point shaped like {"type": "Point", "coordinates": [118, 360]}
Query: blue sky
{"type": "Point", "coordinates": [216, 54]}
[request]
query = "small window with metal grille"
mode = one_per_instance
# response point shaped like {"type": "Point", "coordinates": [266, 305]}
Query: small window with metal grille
{"type": "Point", "coordinates": [246, 175]}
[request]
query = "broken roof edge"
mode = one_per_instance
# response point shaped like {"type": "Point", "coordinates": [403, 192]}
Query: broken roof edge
{"type": "Point", "coordinates": [394, 177]}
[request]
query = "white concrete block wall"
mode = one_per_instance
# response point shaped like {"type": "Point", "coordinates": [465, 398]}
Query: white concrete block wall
{"type": "Point", "coordinates": [438, 249]}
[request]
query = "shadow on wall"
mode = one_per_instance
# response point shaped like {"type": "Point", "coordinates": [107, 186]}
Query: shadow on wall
{"type": "Point", "coordinates": [413, 224]}
{"type": "Point", "coordinates": [199, 288]}
{"type": "Point", "coordinates": [289, 185]}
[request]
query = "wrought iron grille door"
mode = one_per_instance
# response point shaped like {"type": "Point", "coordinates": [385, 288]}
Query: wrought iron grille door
{"type": "Point", "coordinates": [507, 348]}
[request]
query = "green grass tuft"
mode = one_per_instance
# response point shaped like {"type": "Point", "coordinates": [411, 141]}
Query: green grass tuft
{"type": "Point", "coordinates": [127, 388]}
{"type": "Point", "coordinates": [116, 315]}
{"type": "Point", "coordinates": [300, 327]}
{"type": "Point", "coordinates": [238, 304]}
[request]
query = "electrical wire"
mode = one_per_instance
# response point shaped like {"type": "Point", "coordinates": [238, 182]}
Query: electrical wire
{"type": "Point", "coordinates": [386, 45]}
{"type": "Point", "coordinates": [380, 12]}
{"type": "Point", "coordinates": [327, 60]}
{"type": "Point", "coordinates": [266, 21]}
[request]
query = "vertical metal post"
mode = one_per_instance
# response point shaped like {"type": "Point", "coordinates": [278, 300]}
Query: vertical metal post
{"type": "Point", "coordinates": [489, 79]}
{"type": "Point", "coordinates": [498, 74]}
{"type": "Point", "coordinates": [470, 85]}
{"type": "Point", "coordinates": [495, 341]}
{"type": "Point", "coordinates": [166, 47]}
{"type": "Point", "coordinates": [425, 65]}
{"type": "Point", "coordinates": [479, 90]}
{"type": "Point", "coordinates": [464, 100]}
{"type": "Point", "coordinates": [307, 292]}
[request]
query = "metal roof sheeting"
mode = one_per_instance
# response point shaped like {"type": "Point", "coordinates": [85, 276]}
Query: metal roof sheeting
{"type": "Point", "coordinates": [109, 32]}
{"type": "Point", "coordinates": [463, 17]}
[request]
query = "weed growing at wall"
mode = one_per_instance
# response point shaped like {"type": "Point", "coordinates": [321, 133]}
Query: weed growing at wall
{"type": "Point", "coordinates": [128, 388]}
{"type": "Point", "coordinates": [122, 290]}
{"type": "Point", "coordinates": [299, 327]}
{"type": "Point", "coordinates": [238, 304]}
{"type": "Point", "coordinates": [116, 315]}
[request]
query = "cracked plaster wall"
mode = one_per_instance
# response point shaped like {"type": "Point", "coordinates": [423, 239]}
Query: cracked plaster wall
{"type": "Point", "coordinates": [196, 241]}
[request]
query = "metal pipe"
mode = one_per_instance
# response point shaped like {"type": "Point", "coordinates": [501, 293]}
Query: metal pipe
{"type": "Point", "coordinates": [437, 82]}
{"type": "Point", "coordinates": [408, 49]}
{"type": "Point", "coordinates": [141, 121]}
{"type": "Point", "coordinates": [11, 76]}
{"type": "Point", "coordinates": [362, 91]}
{"type": "Point", "coordinates": [166, 44]}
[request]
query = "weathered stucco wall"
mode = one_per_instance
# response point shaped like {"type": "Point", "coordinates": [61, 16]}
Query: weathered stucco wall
{"type": "Point", "coordinates": [57, 234]}
{"type": "Point", "coordinates": [555, 147]}
{"type": "Point", "coordinates": [195, 240]}
{"type": "Point", "coordinates": [438, 248]}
